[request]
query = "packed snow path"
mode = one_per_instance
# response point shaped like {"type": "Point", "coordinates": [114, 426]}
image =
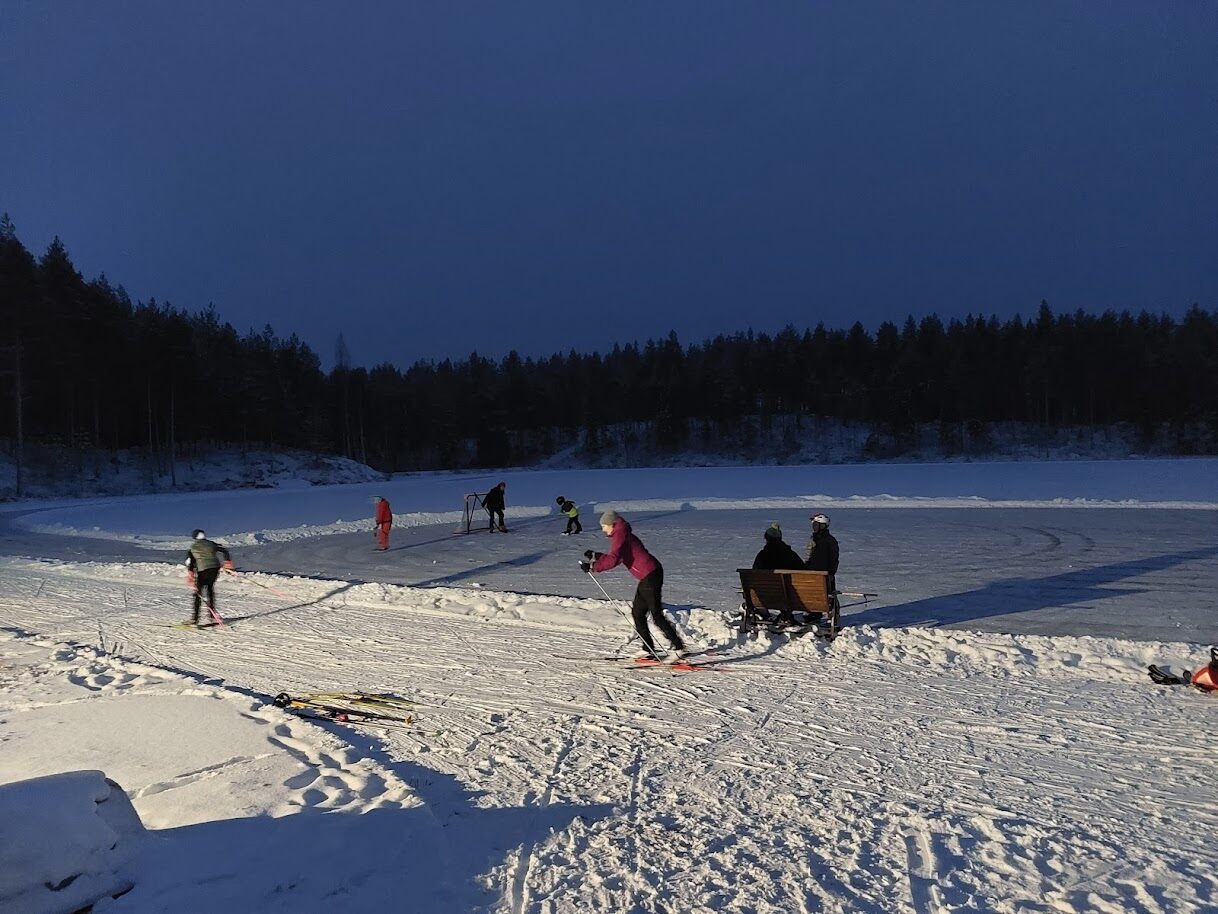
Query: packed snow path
{"type": "Point", "coordinates": [896, 771]}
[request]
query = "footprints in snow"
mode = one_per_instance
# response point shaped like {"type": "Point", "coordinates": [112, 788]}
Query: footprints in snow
{"type": "Point", "coordinates": [95, 680]}
{"type": "Point", "coordinates": [332, 776]}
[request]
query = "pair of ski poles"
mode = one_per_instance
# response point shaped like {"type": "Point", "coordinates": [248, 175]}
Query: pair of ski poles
{"type": "Point", "coordinates": [617, 605]}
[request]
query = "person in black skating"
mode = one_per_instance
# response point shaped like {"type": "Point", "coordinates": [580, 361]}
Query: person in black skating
{"type": "Point", "coordinates": [626, 549]}
{"type": "Point", "coordinates": [823, 550]}
{"type": "Point", "coordinates": [571, 510]}
{"type": "Point", "coordinates": [203, 564]}
{"type": "Point", "coordinates": [493, 502]}
{"type": "Point", "coordinates": [776, 554]}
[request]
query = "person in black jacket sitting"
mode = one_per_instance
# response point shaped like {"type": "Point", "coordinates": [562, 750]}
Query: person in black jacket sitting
{"type": "Point", "coordinates": [777, 555]}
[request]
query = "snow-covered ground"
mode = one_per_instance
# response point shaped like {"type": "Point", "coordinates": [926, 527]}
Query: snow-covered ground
{"type": "Point", "coordinates": [1005, 759]}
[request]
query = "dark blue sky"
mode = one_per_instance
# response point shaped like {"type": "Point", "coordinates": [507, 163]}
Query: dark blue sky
{"type": "Point", "coordinates": [432, 178]}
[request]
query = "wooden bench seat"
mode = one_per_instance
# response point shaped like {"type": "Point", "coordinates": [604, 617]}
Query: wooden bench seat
{"type": "Point", "coordinates": [787, 593]}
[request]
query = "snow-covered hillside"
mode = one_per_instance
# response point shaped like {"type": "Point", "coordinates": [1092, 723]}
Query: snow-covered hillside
{"type": "Point", "coordinates": [58, 472]}
{"type": "Point", "coordinates": [964, 745]}
{"type": "Point", "coordinates": [778, 440]}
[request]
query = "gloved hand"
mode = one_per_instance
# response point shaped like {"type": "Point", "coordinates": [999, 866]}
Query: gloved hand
{"type": "Point", "coordinates": [585, 567]}
{"type": "Point", "coordinates": [228, 566]}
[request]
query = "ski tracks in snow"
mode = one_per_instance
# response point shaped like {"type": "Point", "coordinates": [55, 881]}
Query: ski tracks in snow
{"type": "Point", "coordinates": [908, 772]}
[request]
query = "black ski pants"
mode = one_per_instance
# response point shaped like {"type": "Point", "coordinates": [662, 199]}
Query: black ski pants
{"type": "Point", "coordinates": [206, 579]}
{"type": "Point", "coordinates": [648, 602]}
{"type": "Point", "coordinates": [574, 526]}
{"type": "Point", "coordinates": [492, 512]}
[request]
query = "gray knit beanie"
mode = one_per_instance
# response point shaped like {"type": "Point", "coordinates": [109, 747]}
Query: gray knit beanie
{"type": "Point", "coordinates": [609, 518]}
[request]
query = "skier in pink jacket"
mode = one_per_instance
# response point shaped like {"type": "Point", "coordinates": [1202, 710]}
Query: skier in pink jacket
{"type": "Point", "coordinates": [626, 549]}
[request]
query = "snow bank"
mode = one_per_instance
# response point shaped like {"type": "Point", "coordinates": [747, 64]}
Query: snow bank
{"type": "Point", "coordinates": [66, 841]}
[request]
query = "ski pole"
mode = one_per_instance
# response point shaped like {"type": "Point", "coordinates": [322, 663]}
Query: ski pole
{"type": "Point", "coordinates": [278, 593]}
{"type": "Point", "coordinates": [614, 603]}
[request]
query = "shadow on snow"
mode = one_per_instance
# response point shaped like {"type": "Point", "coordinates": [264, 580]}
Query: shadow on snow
{"type": "Point", "coordinates": [519, 561]}
{"type": "Point", "coordinates": [432, 857]}
{"type": "Point", "coordinates": [1023, 595]}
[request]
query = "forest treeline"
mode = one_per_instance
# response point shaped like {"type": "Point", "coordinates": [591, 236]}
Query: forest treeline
{"type": "Point", "coordinates": [83, 365]}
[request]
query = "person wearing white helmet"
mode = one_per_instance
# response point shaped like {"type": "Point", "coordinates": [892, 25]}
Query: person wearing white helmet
{"type": "Point", "coordinates": [822, 549]}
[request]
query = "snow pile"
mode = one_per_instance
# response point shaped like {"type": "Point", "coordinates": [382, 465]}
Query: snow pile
{"type": "Point", "coordinates": [66, 841]}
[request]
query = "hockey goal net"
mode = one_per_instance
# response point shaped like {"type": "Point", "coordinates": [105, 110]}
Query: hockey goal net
{"type": "Point", "coordinates": [473, 507]}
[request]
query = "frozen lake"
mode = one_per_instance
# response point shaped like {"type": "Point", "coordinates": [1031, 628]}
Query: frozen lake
{"type": "Point", "coordinates": [1121, 548]}
{"type": "Point", "coordinates": [1140, 574]}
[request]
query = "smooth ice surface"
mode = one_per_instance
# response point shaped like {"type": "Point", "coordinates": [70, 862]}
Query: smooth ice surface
{"type": "Point", "coordinates": [154, 519]}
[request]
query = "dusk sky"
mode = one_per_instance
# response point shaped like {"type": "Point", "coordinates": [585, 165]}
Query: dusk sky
{"type": "Point", "coordinates": [434, 178]}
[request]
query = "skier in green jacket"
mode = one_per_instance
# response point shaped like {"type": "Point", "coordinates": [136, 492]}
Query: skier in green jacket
{"type": "Point", "coordinates": [203, 563]}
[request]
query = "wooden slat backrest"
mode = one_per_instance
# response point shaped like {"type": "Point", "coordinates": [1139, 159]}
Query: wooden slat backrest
{"type": "Point", "coordinates": [762, 589]}
{"type": "Point", "coordinates": [810, 591]}
{"type": "Point", "coordinates": [796, 591]}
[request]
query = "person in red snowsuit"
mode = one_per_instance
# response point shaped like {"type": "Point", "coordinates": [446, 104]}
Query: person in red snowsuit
{"type": "Point", "coordinates": [1206, 678]}
{"type": "Point", "coordinates": [626, 549]}
{"type": "Point", "coordinates": [384, 522]}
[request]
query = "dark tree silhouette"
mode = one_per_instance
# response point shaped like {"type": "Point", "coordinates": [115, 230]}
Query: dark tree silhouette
{"type": "Point", "coordinates": [81, 365]}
